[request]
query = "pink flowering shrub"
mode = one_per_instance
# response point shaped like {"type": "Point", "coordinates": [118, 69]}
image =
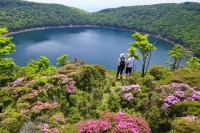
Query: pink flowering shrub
{"type": "Point", "coordinates": [114, 123]}
{"type": "Point", "coordinates": [191, 117]}
{"type": "Point", "coordinates": [65, 82]}
{"type": "Point", "coordinates": [47, 129]}
{"type": "Point", "coordinates": [178, 92]}
{"type": "Point", "coordinates": [58, 119]}
{"type": "Point", "coordinates": [54, 130]}
{"type": "Point", "coordinates": [127, 92]}
{"type": "Point", "coordinates": [39, 107]}
{"type": "Point", "coordinates": [170, 104]}
{"type": "Point", "coordinates": [18, 82]}
{"type": "Point", "coordinates": [32, 95]}
{"type": "Point", "coordinates": [93, 126]}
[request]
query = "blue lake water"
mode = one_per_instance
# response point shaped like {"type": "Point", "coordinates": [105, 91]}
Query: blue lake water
{"type": "Point", "coordinates": [92, 45]}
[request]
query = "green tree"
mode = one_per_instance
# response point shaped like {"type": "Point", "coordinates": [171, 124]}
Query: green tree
{"type": "Point", "coordinates": [62, 60]}
{"type": "Point", "coordinates": [7, 65]}
{"type": "Point", "coordinates": [42, 64]}
{"type": "Point", "coordinates": [133, 52]}
{"type": "Point", "coordinates": [142, 44]}
{"type": "Point", "coordinates": [6, 46]}
{"type": "Point", "coordinates": [194, 63]}
{"type": "Point", "coordinates": [177, 53]}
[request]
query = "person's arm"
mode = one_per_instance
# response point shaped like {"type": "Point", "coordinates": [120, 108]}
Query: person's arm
{"type": "Point", "coordinates": [128, 61]}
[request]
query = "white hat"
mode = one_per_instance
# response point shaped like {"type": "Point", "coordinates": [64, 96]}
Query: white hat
{"type": "Point", "coordinates": [122, 55]}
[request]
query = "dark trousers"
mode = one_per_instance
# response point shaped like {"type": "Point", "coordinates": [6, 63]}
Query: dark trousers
{"type": "Point", "coordinates": [119, 70]}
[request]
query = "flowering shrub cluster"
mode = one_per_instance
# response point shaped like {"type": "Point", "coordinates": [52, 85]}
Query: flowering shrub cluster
{"type": "Point", "coordinates": [66, 83]}
{"type": "Point", "coordinates": [191, 117]}
{"type": "Point", "coordinates": [130, 87]}
{"type": "Point", "coordinates": [40, 106]}
{"type": "Point", "coordinates": [93, 126]}
{"type": "Point", "coordinates": [71, 89]}
{"type": "Point", "coordinates": [58, 118]}
{"type": "Point", "coordinates": [127, 91]}
{"type": "Point", "coordinates": [46, 129]}
{"type": "Point", "coordinates": [128, 96]}
{"type": "Point", "coordinates": [32, 95]}
{"type": "Point", "coordinates": [18, 82]}
{"type": "Point", "coordinates": [114, 123]}
{"type": "Point", "coordinates": [178, 92]}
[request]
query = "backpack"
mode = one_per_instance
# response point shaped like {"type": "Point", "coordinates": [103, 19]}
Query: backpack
{"type": "Point", "coordinates": [122, 62]}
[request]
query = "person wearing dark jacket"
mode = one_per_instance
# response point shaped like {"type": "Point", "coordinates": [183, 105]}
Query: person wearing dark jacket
{"type": "Point", "coordinates": [121, 65]}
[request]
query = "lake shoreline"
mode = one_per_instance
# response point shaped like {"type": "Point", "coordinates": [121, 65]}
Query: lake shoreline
{"type": "Point", "coordinates": [75, 26]}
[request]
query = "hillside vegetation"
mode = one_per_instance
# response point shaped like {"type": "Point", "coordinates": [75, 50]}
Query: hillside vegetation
{"type": "Point", "coordinates": [176, 22]}
{"type": "Point", "coordinates": [86, 98]}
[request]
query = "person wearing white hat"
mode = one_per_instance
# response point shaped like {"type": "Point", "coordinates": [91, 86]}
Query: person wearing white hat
{"type": "Point", "coordinates": [121, 65]}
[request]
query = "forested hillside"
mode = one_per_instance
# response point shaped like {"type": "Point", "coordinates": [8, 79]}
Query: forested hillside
{"type": "Point", "coordinates": [176, 22]}
{"type": "Point", "coordinates": [18, 15]}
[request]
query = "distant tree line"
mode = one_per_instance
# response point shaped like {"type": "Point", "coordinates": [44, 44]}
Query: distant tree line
{"type": "Point", "coordinates": [176, 22]}
{"type": "Point", "coordinates": [19, 15]}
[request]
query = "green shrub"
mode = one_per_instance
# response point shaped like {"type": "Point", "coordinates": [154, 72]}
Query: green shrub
{"type": "Point", "coordinates": [183, 125]}
{"type": "Point", "coordinates": [6, 98]}
{"type": "Point", "coordinates": [157, 120]}
{"type": "Point", "coordinates": [184, 75]}
{"type": "Point", "coordinates": [23, 105]}
{"type": "Point", "coordinates": [27, 72]}
{"type": "Point", "coordinates": [11, 124]}
{"type": "Point", "coordinates": [90, 78]}
{"type": "Point", "coordinates": [114, 102]}
{"type": "Point", "coordinates": [148, 81]}
{"type": "Point", "coordinates": [11, 120]}
{"type": "Point", "coordinates": [194, 63]}
{"type": "Point", "coordinates": [70, 128]}
{"type": "Point", "coordinates": [135, 78]}
{"type": "Point", "coordinates": [41, 81]}
{"type": "Point", "coordinates": [5, 79]}
{"type": "Point", "coordinates": [20, 91]}
{"type": "Point", "coordinates": [159, 72]}
{"type": "Point", "coordinates": [188, 108]}
{"type": "Point", "coordinates": [101, 69]}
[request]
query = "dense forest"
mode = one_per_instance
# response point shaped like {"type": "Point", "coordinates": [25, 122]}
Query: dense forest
{"type": "Point", "coordinates": [176, 22]}
{"type": "Point", "coordinates": [18, 15]}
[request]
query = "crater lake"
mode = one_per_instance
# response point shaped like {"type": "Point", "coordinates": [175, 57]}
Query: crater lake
{"type": "Point", "coordinates": [92, 45]}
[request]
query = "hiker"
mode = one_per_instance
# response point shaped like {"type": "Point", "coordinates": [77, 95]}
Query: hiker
{"type": "Point", "coordinates": [121, 64]}
{"type": "Point", "coordinates": [129, 65]}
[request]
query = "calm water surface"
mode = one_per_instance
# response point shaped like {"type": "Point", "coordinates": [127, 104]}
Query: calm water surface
{"type": "Point", "coordinates": [91, 45]}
